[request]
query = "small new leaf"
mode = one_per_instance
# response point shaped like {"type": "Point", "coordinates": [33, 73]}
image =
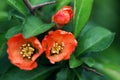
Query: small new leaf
{"type": "Point", "coordinates": [34, 26]}
{"type": "Point", "coordinates": [73, 62]}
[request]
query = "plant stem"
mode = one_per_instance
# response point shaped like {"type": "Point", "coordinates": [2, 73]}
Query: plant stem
{"type": "Point", "coordinates": [43, 4]}
{"type": "Point", "coordinates": [33, 8]}
{"type": "Point", "coordinates": [92, 70]}
{"type": "Point", "coordinates": [29, 6]}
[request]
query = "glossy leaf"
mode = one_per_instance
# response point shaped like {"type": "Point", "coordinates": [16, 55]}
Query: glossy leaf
{"type": "Point", "coordinates": [94, 39]}
{"type": "Point", "coordinates": [62, 3]}
{"type": "Point", "coordinates": [82, 13]}
{"type": "Point", "coordinates": [74, 62]}
{"type": "Point", "coordinates": [40, 73]}
{"type": "Point", "coordinates": [89, 61]}
{"type": "Point", "coordinates": [34, 26]}
{"type": "Point", "coordinates": [18, 5]}
{"type": "Point", "coordinates": [12, 31]}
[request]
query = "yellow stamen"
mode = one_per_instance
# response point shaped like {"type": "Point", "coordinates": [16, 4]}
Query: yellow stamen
{"type": "Point", "coordinates": [26, 50]}
{"type": "Point", "coordinates": [56, 49]}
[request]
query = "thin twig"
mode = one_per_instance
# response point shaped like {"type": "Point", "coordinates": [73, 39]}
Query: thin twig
{"type": "Point", "coordinates": [43, 4]}
{"type": "Point", "coordinates": [29, 6]}
{"type": "Point", "coordinates": [92, 70]}
{"type": "Point", "coordinates": [33, 8]}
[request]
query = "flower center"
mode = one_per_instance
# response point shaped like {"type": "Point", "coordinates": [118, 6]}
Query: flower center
{"type": "Point", "coordinates": [27, 50]}
{"type": "Point", "coordinates": [56, 49]}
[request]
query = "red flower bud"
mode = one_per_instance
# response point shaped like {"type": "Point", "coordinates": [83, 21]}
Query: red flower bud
{"type": "Point", "coordinates": [24, 52]}
{"type": "Point", "coordinates": [63, 16]}
{"type": "Point", "coordinates": [59, 45]}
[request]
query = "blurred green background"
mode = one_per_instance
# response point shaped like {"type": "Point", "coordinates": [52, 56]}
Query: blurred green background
{"type": "Point", "coordinates": [105, 13]}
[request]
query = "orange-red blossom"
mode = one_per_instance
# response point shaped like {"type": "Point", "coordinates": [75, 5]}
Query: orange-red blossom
{"type": "Point", "coordinates": [59, 45]}
{"type": "Point", "coordinates": [24, 52]}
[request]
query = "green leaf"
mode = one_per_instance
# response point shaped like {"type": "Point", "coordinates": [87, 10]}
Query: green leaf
{"type": "Point", "coordinates": [18, 5]}
{"type": "Point", "coordinates": [62, 75]}
{"type": "Point", "coordinates": [89, 61]}
{"type": "Point", "coordinates": [62, 3]}
{"type": "Point", "coordinates": [111, 70]}
{"type": "Point", "coordinates": [108, 63]}
{"type": "Point", "coordinates": [73, 62]}
{"type": "Point", "coordinates": [12, 31]}
{"type": "Point", "coordinates": [69, 27]}
{"type": "Point", "coordinates": [40, 73]}
{"type": "Point", "coordinates": [82, 13]}
{"type": "Point", "coordinates": [2, 44]}
{"type": "Point", "coordinates": [94, 39]}
{"type": "Point", "coordinates": [9, 22]}
{"type": "Point", "coordinates": [48, 12]}
{"type": "Point", "coordinates": [34, 26]}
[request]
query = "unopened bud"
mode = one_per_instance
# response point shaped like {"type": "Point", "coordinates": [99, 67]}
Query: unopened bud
{"type": "Point", "coordinates": [63, 16]}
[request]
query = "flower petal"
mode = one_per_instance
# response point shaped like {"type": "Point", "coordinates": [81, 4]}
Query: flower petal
{"type": "Point", "coordinates": [16, 58]}
{"type": "Point", "coordinates": [59, 36]}
{"type": "Point", "coordinates": [63, 16]}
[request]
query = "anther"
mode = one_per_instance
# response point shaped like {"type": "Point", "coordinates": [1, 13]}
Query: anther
{"type": "Point", "coordinates": [57, 48]}
{"type": "Point", "coordinates": [23, 55]}
{"type": "Point", "coordinates": [27, 50]}
{"type": "Point", "coordinates": [21, 52]}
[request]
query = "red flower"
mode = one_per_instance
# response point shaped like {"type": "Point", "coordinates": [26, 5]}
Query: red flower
{"type": "Point", "coordinates": [23, 52]}
{"type": "Point", "coordinates": [63, 16]}
{"type": "Point", "coordinates": [59, 45]}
